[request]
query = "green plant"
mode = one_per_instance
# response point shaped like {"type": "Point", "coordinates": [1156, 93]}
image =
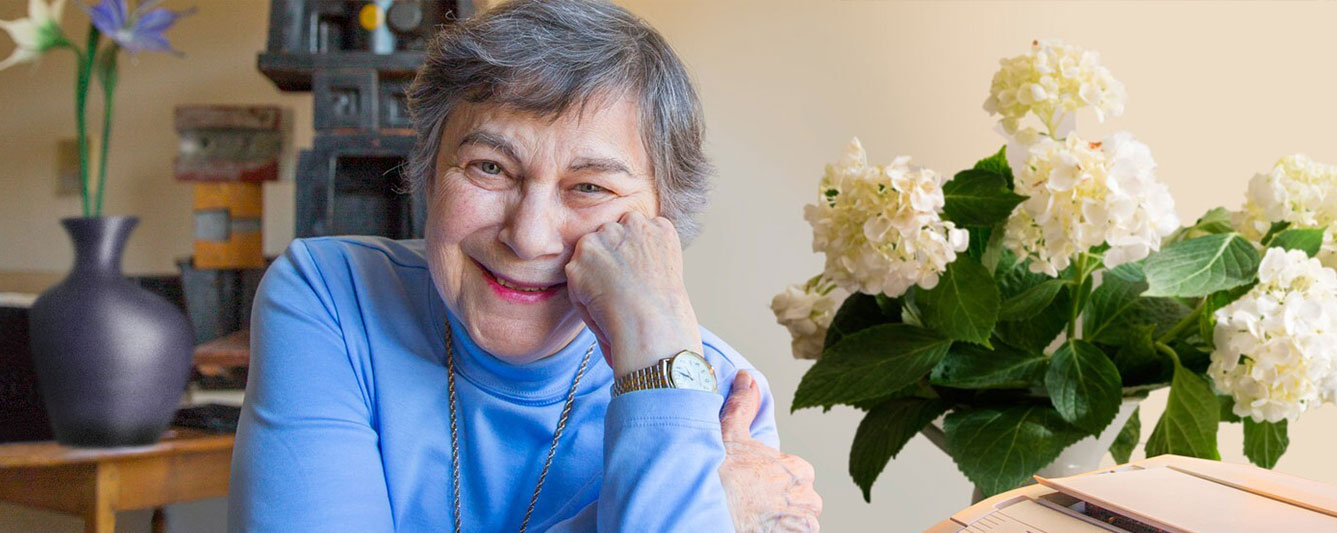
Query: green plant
{"type": "Point", "coordinates": [1023, 307]}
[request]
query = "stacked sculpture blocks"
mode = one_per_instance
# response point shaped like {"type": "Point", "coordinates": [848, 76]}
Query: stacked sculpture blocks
{"type": "Point", "coordinates": [357, 58]}
{"type": "Point", "coordinates": [227, 152]}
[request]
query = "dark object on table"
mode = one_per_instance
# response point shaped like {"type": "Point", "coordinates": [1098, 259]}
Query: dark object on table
{"type": "Point", "coordinates": [357, 58]}
{"type": "Point", "coordinates": [219, 300]}
{"type": "Point", "coordinates": [213, 417]}
{"type": "Point", "coordinates": [22, 415]}
{"type": "Point", "coordinates": [222, 363]}
{"type": "Point", "coordinates": [111, 358]}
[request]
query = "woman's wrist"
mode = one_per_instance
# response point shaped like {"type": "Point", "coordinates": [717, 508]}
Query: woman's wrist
{"type": "Point", "coordinates": [642, 343]}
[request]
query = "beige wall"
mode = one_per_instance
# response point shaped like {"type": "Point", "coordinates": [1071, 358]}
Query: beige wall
{"type": "Point", "coordinates": [1218, 90]}
{"type": "Point", "coordinates": [220, 42]}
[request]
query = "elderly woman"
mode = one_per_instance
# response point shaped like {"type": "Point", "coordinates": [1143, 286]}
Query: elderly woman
{"type": "Point", "coordinates": [534, 362]}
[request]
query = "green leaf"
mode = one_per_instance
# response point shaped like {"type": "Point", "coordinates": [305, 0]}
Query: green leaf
{"type": "Point", "coordinates": [1307, 240]}
{"type": "Point", "coordinates": [1264, 442]}
{"type": "Point", "coordinates": [1118, 291]}
{"type": "Point", "coordinates": [971, 366]}
{"type": "Point", "coordinates": [997, 164]}
{"type": "Point", "coordinates": [1036, 333]}
{"type": "Point", "coordinates": [1032, 301]}
{"type": "Point", "coordinates": [1138, 361]}
{"type": "Point", "coordinates": [1117, 312]}
{"type": "Point", "coordinates": [882, 434]}
{"type": "Point", "coordinates": [1201, 266]}
{"type": "Point", "coordinates": [1188, 425]}
{"type": "Point", "coordinates": [1084, 385]}
{"type": "Point", "coordinates": [1277, 227]}
{"type": "Point", "coordinates": [993, 251]}
{"type": "Point", "coordinates": [1228, 409]}
{"type": "Point", "coordinates": [1000, 447]}
{"type": "Point", "coordinates": [1217, 220]}
{"type": "Point", "coordinates": [964, 304]}
{"type": "Point", "coordinates": [978, 198]}
{"type": "Point", "coordinates": [978, 243]}
{"type": "Point", "coordinates": [986, 246]}
{"type": "Point", "coordinates": [859, 312]}
{"type": "Point", "coordinates": [1126, 442]}
{"type": "Point", "coordinates": [1192, 358]}
{"type": "Point", "coordinates": [871, 363]}
{"type": "Point", "coordinates": [919, 389]}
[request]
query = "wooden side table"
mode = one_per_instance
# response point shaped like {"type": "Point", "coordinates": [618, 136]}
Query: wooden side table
{"type": "Point", "coordinates": [96, 483]}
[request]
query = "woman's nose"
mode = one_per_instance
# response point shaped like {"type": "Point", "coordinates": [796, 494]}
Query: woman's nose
{"type": "Point", "coordinates": [533, 229]}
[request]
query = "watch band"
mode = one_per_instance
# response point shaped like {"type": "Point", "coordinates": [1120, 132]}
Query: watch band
{"type": "Point", "coordinates": [655, 376]}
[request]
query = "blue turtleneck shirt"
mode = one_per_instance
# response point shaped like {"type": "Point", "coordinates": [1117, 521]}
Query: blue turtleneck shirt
{"type": "Point", "coordinates": [346, 423]}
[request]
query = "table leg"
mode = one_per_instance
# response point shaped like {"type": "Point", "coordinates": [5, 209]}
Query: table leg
{"type": "Point", "coordinates": [159, 522]}
{"type": "Point", "coordinates": [101, 518]}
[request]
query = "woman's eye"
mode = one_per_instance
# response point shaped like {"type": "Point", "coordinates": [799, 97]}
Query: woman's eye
{"type": "Point", "coordinates": [490, 167]}
{"type": "Point", "coordinates": [589, 188]}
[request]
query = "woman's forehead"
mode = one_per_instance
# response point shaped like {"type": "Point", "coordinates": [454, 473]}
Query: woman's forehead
{"type": "Point", "coordinates": [601, 129]}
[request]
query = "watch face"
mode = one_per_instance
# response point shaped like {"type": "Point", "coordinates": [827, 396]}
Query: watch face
{"type": "Point", "coordinates": [691, 371]}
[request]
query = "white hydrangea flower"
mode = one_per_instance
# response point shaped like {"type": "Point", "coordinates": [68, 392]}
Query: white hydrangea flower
{"type": "Point", "coordinates": [1053, 81]}
{"type": "Point", "coordinates": [1276, 346]}
{"type": "Point", "coordinates": [881, 226]}
{"type": "Point", "coordinates": [1082, 194]}
{"type": "Point", "coordinates": [1297, 190]}
{"type": "Point", "coordinates": [806, 311]}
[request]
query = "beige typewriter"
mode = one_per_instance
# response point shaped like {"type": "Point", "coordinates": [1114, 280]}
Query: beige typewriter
{"type": "Point", "coordinates": [1165, 494]}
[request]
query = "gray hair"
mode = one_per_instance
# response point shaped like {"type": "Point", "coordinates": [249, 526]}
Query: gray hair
{"type": "Point", "coordinates": [549, 56]}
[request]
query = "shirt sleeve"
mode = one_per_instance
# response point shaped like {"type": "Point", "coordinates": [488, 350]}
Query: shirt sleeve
{"type": "Point", "coordinates": [662, 453]}
{"type": "Point", "coordinates": [306, 456]}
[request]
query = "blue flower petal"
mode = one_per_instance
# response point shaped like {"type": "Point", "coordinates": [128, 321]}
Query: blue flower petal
{"type": "Point", "coordinates": [108, 16]}
{"type": "Point", "coordinates": [156, 21]}
{"type": "Point", "coordinates": [152, 43]}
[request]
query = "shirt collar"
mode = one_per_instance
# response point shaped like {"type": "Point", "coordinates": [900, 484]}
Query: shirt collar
{"type": "Point", "coordinates": [545, 381]}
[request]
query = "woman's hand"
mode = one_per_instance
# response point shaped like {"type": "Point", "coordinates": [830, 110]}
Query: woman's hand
{"type": "Point", "coordinates": [768, 490]}
{"type": "Point", "coordinates": [625, 280]}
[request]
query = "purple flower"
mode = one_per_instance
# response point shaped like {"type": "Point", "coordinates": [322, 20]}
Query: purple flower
{"type": "Point", "coordinates": [135, 31]}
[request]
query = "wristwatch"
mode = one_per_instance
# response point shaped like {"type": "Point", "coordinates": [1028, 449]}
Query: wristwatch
{"type": "Point", "coordinates": [685, 370]}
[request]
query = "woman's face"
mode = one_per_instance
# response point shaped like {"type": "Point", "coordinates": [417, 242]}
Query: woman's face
{"type": "Point", "coordinates": [513, 192]}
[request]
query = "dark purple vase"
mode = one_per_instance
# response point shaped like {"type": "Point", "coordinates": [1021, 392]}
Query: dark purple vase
{"type": "Point", "coordinates": [111, 358]}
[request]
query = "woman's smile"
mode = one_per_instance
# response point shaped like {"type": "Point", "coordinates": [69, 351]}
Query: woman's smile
{"type": "Point", "coordinates": [515, 291]}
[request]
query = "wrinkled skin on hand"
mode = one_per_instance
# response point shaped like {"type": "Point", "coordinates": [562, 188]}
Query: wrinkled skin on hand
{"type": "Point", "coordinates": [625, 279]}
{"type": "Point", "coordinates": [768, 491]}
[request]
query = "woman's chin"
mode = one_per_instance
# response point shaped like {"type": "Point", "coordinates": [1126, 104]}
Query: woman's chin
{"type": "Point", "coordinates": [518, 340]}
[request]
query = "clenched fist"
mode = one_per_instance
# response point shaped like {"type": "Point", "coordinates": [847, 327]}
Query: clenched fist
{"type": "Point", "coordinates": [768, 491]}
{"type": "Point", "coordinates": [625, 280]}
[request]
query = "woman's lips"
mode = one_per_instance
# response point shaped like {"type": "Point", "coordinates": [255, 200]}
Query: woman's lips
{"type": "Point", "coordinates": [514, 294]}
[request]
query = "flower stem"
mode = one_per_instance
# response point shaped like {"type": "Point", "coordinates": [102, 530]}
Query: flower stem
{"type": "Point", "coordinates": [1081, 274]}
{"type": "Point", "coordinates": [1183, 324]}
{"type": "Point", "coordinates": [107, 72]}
{"type": "Point", "coordinates": [1168, 351]}
{"type": "Point", "coordinates": [85, 71]}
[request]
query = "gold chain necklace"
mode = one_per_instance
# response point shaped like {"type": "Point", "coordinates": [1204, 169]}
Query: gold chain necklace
{"type": "Point", "coordinates": [454, 433]}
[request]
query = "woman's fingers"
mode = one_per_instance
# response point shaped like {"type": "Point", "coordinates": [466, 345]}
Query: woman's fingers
{"type": "Point", "coordinates": [801, 470]}
{"type": "Point", "coordinates": [741, 408]}
{"type": "Point", "coordinates": [804, 497]}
